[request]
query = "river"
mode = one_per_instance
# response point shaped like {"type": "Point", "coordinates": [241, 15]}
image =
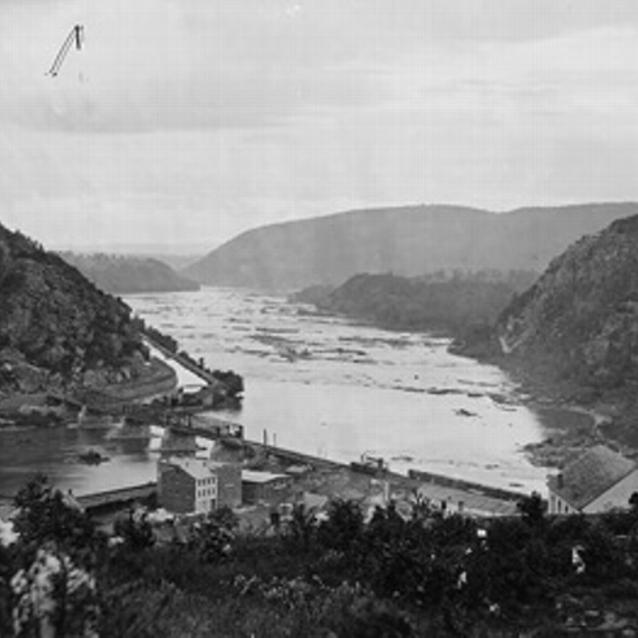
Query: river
{"type": "Point", "coordinates": [321, 385]}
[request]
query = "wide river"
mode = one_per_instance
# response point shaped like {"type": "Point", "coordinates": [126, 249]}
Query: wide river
{"type": "Point", "coordinates": [321, 385]}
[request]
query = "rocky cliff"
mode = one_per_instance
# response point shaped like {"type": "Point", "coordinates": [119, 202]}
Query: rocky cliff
{"type": "Point", "coordinates": [407, 241]}
{"type": "Point", "coordinates": [119, 274]}
{"type": "Point", "coordinates": [57, 330]}
{"type": "Point", "coordinates": [578, 324]}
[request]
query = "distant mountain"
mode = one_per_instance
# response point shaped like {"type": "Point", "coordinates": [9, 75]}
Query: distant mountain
{"type": "Point", "coordinates": [122, 274]}
{"type": "Point", "coordinates": [408, 241]}
{"type": "Point", "coordinates": [57, 330]}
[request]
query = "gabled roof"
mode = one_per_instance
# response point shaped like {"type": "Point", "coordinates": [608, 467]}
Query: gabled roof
{"type": "Point", "coordinates": [196, 468]}
{"type": "Point", "coordinates": [590, 476]}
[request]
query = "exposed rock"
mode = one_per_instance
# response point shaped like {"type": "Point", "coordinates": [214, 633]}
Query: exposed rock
{"type": "Point", "coordinates": [583, 311]}
{"type": "Point", "coordinates": [577, 326]}
{"type": "Point", "coordinates": [57, 330]}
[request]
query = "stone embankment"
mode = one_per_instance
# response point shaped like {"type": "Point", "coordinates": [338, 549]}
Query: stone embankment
{"type": "Point", "coordinates": [158, 380]}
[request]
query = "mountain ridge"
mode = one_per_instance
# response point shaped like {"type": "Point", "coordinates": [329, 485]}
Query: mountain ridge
{"type": "Point", "coordinates": [406, 240]}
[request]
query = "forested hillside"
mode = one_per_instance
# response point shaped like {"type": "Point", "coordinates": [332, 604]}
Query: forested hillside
{"type": "Point", "coordinates": [119, 274]}
{"type": "Point", "coordinates": [451, 304]}
{"type": "Point", "coordinates": [408, 241]}
{"type": "Point", "coordinates": [55, 326]}
{"type": "Point", "coordinates": [579, 322]}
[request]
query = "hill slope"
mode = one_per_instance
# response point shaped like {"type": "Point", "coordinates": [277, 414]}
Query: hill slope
{"type": "Point", "coordinates": [126, 274]}
{"type": "Point", "coordinates": [583, 311]}
{"type": "Point", "coordinates": [56, 328]}
{"type": "Point", "coordinates": [579, 322]}
{"type": "Point", "coordinates": [449, 305]}
{"type": "Point", "coordinates": [408, 241]}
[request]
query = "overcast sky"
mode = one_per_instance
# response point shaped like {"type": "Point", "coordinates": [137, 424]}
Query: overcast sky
{"type": "Point", "coordinates": [188, 121]}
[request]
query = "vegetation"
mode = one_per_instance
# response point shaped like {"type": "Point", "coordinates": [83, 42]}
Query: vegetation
{"type": "Point", "coordinates": [166, 341]}
{"type": "Point", "coordinates": [119, 274]}
{"type": "Point", "coordinates": [59, 332]}
{"type": "Point", "coordinates": [576, 328]}
{"type": "Point", "coordinates": [344, 576]}
{"type": "Point", "coordinates": [409, 240]}
{"type": "Point", "coordinates": [454, 302]}
{"type": "Point", "coordinates": [54, 322]}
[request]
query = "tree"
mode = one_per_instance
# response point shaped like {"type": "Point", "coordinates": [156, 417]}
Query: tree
{"type": "Point", "coordinates": [532, 509]}
{"type": "Point", "coordinates": [344, 526]}
{"type": "Point", "coordinates": [46, 515]}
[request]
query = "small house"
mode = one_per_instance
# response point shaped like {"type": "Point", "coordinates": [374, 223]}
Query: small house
{"type": "Point", "coordinates": [264, 487]}
{"type": "Point", "coordinates": [598, 481]}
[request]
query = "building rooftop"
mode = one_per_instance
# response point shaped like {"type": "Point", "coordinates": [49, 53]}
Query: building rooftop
{"type": "Point", "coordinates": [589, 476]}
{"type": "Point", "coordinates": [253, 476]}
{"type": "Point", "coordinates": [197, 468]}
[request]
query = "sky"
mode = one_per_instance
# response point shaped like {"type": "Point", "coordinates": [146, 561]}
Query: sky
{"type": "Point", "coordinates": [182, 123]}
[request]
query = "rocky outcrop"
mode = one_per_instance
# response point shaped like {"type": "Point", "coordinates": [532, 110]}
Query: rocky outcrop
{"type": "Point", "coordinates": [119, 274]}
{"type": "Point", "coordinates": [577, 326]}
{"type": "Point", "coordinates": [408, 241]}
{"type": "Point", "coordinates": [57, 330]}
{"type": "Point", "coordinates": [582, 313]}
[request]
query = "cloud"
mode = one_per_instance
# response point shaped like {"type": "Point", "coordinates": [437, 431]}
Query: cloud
{"type": "Point", "coordinates": [156, 64]}
{"type": "Point", "coordinates": [202, 118]}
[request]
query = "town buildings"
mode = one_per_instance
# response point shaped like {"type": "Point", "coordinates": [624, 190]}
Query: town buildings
{"type": "Point", "coordinates": [598, 481]}
{"type": "Point", "coordinates": [191, 485]}
{"type": "Point", "coordinates": [265, 487]}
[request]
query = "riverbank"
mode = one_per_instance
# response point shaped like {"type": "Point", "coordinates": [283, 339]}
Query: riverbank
{"type": "Point", "coordinates": [56, 406]}
{"type": "Point", "coordinates": [572, 416]}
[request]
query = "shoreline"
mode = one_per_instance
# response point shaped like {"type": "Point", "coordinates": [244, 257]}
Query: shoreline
{"type": "Point", "coordinates": [571, 427]}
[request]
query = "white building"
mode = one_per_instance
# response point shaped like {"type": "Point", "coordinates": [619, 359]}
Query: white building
{"type": "Point", "coordinates": [598, 481]}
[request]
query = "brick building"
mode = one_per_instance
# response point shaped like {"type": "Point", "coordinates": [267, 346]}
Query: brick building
{"type": "Point", "coordinates": [190, 485]}
{"type": "Point", "coordinates": [228, 483]}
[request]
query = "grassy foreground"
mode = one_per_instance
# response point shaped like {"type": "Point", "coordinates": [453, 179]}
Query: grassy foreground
{"type": "Point", "coordinates": [426, 576]}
